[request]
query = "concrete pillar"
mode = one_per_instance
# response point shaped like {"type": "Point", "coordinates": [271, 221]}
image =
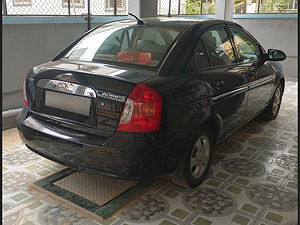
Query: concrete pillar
{"type": "Point", "coordinates": [224, 9]}
{"type": "Point", "coordinates": [142, 8]}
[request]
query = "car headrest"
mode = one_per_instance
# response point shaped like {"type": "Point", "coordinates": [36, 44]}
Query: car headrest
{"type": "Point", "coordinates": [210, 41]}
{"type": "Point", "coordinates": [144, 43]}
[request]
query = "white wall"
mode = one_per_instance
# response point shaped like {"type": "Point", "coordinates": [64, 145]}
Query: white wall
{"type": "Point", "coordinates": [27, 45]}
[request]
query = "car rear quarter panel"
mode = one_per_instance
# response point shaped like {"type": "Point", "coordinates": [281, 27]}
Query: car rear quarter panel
{"type": "Point", "coordinates": [186, 105]}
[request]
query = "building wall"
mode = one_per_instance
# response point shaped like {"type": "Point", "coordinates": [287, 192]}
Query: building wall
{"type": "Point", "coordinates": [27, 43]}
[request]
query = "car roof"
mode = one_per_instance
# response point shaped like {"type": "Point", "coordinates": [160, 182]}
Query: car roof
{"type": "Point", "coordinates": [179, 22]}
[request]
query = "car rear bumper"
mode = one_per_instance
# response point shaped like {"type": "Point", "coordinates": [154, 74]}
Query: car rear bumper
{"type": "Point", "coordinates": [123, 155]}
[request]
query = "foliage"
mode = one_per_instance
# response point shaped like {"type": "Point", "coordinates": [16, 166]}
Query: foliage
{"type": "Point", "coordinates": [194, 7]}
{"type": "Point", "coordinates": [274, 6]}
{"type": "Point", "coordinates": [270, 6]}
{"type": "Point", "coordinates": [238, 3]}
{"type": "Point", "coordinates": [208, 8]}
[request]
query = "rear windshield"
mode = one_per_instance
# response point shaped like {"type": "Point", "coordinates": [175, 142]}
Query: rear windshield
{"type": "Point", "coordinates": [125, 43]}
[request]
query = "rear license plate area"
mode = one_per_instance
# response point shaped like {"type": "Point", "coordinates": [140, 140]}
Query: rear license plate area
{"type": "Point", "coordinates": [70, 103]}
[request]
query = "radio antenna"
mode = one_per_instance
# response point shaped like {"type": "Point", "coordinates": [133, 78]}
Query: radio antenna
{"type": "Point", "coordinates": [139, 22]}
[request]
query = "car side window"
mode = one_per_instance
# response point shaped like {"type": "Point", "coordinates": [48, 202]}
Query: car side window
{"type": "Point", "coordinates": [219, 47]}
{"type": "Point", "coordinates": [173, 33]}
{"type": "Point", "coordinates": [248, 50]}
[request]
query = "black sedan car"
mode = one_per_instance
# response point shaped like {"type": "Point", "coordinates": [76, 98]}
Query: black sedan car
{"type": "Point", "coordinates": [138, 100]}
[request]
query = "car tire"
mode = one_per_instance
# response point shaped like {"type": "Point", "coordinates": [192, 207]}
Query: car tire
{"type": "Point", "coordinates": [198, 160]}
{"type": "Point", "coordinates": [273, 107]}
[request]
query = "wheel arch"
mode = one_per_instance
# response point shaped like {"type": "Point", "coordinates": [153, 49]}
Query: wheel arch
{"type": "Point", "coordinates": [282, 81]}
{"type": "Point", "coordinates": [215, 126]}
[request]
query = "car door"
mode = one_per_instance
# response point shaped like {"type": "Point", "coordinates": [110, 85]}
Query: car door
{"type": "Point", "coordinates": [258, 73]}
{"type": "Point", "coordinates": [217, 64]}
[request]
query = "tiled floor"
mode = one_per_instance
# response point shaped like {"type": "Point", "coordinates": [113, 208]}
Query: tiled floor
{"type": "Point", "coordinates": [253, 180]}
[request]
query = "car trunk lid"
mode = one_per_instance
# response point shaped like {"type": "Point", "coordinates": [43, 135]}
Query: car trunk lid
{"type": "Point", "coordinates": [81, 95]}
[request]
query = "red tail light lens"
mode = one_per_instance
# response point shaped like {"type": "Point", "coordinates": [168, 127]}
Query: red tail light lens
{"type": "Point", "coordinates": [135, 57]}
{"type": "Point", "coordinates": [142, 110]}
{"type": "Point", "coordinates": [24, 91]}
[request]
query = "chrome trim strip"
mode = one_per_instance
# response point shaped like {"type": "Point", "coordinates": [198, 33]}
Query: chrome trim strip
{"type": "Point", "coordinates": [231, 93]}
{"type": "Point", "coordinates": [67, 87]}
{"type": "Point", "coordinates": [263, 81]}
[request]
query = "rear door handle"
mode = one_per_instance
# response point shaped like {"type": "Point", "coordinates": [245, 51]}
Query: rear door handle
{"type": "Point", "coordinates": [217, 83]}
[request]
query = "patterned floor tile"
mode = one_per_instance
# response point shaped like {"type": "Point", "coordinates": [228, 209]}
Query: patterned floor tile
{"type": "Point", "coordinates": [109, 221]}
{"type": "Point", "coordinates": [44, 172]}
{"type": "Point", "coordinates": [29, 223]}
{"type": "Point", "coordinates": [234, 189]}
{"type": "Point", "coordinates": [222, 175]}
{"type": "Point", "coordinates": [19, 157]}
{"type": "Point", "coordinates": [227, 146]}
{"type": "Point", "coordinates": [240, 220]}
{"type": "Point", "coordinates": [287, 162]}
{"type": "Point", "coordinates": [146, 208]}
{"type": "Point", "coordinates": [19, 197]}
{"type": "Point", "coordinates": [14, 181]}
{"type": "Point", "coordinates": [166, 222]}
{"type": "Point", "coordinates": [214, 183]}
{"type": "Point", "coordinates": [58, 166]}
{"type": "Point", "coordinates": [244, 167]}
{"type": "Point", "coordinates": [274, 217]}
{"type": "Point", "coordinates": [202, 221]}
{"type": "Point", "coordinates": [31, 167]}
{"type": "Point", "coordinates": [210, 202]}
{"type": "Point", "coordinates": [268, 143]}
{"type": "Point", "coordinates": [12, 218]}
{"type": "Point", "coordinates": [171, 194]}
{"type": "Point", "coordinates": [250, 208]}
{"type": "Point", "coordinates": [273, 197]}
{"type": "Point", "coordinates": [242, 181]}
{"type": "Point", "coordinates": [35, 205]}
{"type": "Point", "coordinates": [180, 214]}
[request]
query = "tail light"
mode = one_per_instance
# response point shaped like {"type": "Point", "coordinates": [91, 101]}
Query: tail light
{"type": "Point", "coordinates": [24, 91]}
{"type": "Point", "coordinates": [142, 110]}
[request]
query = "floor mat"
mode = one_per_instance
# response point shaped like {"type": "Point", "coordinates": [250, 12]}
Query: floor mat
{"type": "Point", "coordinates": [95, 195]}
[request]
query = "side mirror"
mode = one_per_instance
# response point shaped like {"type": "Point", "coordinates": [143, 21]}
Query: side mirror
{"type": "Point", "coordinates": [275, 55]}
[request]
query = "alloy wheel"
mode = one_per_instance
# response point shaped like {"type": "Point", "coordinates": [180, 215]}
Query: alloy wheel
{"type": "Point", "coordinates": [276, 101]}
{"type": "Point", "coordinates": [200, 156]}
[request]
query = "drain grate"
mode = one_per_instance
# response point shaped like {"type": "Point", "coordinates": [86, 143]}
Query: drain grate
{"type": "Point", "coordinates": [97, 196]}
{"type": "Point", "coordinates": [97, 189]}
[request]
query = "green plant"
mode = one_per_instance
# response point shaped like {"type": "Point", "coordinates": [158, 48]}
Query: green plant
{"type": "Point", "coordinates": [208, 8]}
{"type": "Point", "coordinates": [194, 7]}
{"type": "Point", "coordinates": [274, 6]}
{"type": "Point", "coordinates": [238, 3]}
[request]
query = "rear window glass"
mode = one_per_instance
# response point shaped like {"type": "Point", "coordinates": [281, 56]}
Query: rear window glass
{"type": "Point", "coordinates": [125, 43]}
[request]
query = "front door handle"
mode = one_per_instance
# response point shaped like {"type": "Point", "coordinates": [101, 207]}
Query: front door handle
{"type": "Point", "coordinates": [217, 83]}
